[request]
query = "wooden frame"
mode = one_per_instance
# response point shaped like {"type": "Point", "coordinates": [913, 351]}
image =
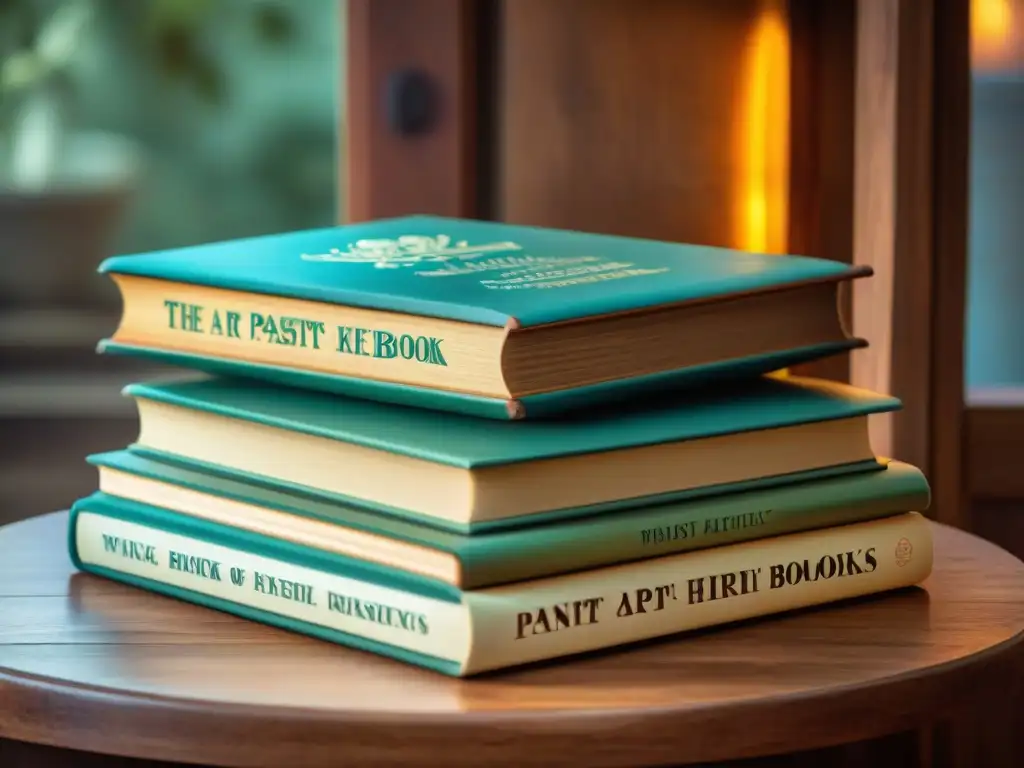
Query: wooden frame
{"type": "Point", "coordinates": [388, 174]}
{"type": "Point", "coordinates": [995, 415]}
{"type": "Point", "coordinates": [821, 171]}
{"type": "Point", "coordinates": [995, 443]}
{"type": "Point", "coordinates": [885, 185]}
{"type": "Point", "coordinates": [910, 225]}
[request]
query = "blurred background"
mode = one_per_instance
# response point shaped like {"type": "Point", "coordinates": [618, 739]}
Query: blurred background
{"type": "Point", "coordinates": [128, 126]}
{"type": "Point", "coordinates": [995, 301]}
{"type": "Point", "coordinates": [133, 125]}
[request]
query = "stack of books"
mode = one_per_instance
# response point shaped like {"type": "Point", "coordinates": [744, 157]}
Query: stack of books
{"type": "Point", "coordinates": [470, 445]}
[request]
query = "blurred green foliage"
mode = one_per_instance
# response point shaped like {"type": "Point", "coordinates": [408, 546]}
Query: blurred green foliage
{"type": "Point", "coordinates": [233, 104]}
{"type": "Point", "coordinates": [38, 38]}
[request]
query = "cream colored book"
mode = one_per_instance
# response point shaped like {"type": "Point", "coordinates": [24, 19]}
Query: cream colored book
{"type": "Point", "coordinates": [468, 474]}
{"type": "Point", "coordinates": [465, 632]}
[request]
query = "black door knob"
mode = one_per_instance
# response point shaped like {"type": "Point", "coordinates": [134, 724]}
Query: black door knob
{"type": "Point", "coordinates": [412, 102]}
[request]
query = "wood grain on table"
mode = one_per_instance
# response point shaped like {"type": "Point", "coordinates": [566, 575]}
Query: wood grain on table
{"type": "Point", "coordinates": [79, 654]}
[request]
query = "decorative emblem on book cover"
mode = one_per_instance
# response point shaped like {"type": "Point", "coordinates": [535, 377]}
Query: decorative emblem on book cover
{"type": "Point", "coordinates": [409, 250]}
{"type": "Point", "coordinates": [904, 551]}
{"type": "Point", "coordinates": [511, 267]}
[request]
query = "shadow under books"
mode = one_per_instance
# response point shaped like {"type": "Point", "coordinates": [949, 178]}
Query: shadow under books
{"type": "Point", "coordinates": [751, 653]}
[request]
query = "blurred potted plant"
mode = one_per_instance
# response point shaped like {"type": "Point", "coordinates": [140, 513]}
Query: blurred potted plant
{"type": "Point", "coordinates": [62, 191]}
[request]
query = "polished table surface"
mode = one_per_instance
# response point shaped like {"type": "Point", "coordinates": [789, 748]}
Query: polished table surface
{"type": "Point", "coordinates": [91, 665]}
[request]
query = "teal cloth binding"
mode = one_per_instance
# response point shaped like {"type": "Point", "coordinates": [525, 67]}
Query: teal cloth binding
{"type": "Point", "coordinates": [547, 405]}
{"type": "Point", "coordinates": [551, 547]}
{"type": "Point", "coordinates": [265, 546]}
{"type": "Point", "coordinates": [520, 521]}
{"type": "Point", "coordinates": [173, 523]}
{"type": "Point", "coordinates": [471, 443]}
{"type": "Point", "coordinates": [480, 272]}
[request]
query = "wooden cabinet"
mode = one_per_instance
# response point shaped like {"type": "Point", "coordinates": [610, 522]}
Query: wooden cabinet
{"type": "Point", "coordinates": [836, 129]}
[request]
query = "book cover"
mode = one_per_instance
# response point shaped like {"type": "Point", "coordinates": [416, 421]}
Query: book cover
{"type": "Point", "coordinates": [466, 473]}
{"type": "Point", "coordinates": [470, 443]}
{"type": "Point", "coordinates": [487, 559]}
{"type": "Point", "coordinates": [479, 317]}
{"type": "Point", "coordinates": [544, 405]}
{"type": "Point", "coordinates": [480, 272]}
{"type": "Point", "coordinates": [466, 632]}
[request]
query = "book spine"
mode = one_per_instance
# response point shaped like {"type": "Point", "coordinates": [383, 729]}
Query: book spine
{"type": "Point", "coordinates": [311, 336]}
{"type": "Point", "coordinates": [665, 529]}
{"type": "Point", "coordinates": [554, 617]}
{"type": "Point", "coordinates": [245, 582]}
{"type": "Point", "coordinates": [335, 384]}
{"type": "Point", "coordinates": [519, 623]}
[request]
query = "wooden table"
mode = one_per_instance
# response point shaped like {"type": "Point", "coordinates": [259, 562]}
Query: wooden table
{"type": "Point", "coordinates": [97, 667]}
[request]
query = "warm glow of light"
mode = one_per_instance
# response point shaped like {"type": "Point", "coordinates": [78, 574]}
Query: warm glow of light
{"type": "Point", "coordinates": [761, 216]}
{"type": "Point", "coordinates": [996, 43]}
{"type": "Point", "coordinates": [763, 188]}
{"type": "Point", "coordinates": [991, 21]}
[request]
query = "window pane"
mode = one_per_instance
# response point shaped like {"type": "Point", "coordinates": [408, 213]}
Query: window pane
{"type": "Point", "coordinates": [995, 307]}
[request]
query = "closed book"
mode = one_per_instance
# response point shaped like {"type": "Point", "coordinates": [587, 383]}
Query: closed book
{"type": "Point", "coordinates": [469, 474]}
{"type": "Point", "coordinates": [516, 554]}
{"type": "Point", "coordinates": [485, 318]}
{"type": "Point", "coordinates": [465, 632]}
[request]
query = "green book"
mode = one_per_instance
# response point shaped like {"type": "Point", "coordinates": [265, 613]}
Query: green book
{"type": "Point", "coordinates": [463, 632]}
{"type": "Point", "coordinates": [471, 474]}
{"type": "Point", "coordinates": [516, 554]}
{"type": "Point", "coordinates": [477, 317]}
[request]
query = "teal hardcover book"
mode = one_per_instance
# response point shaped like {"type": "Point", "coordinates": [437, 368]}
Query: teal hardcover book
{"type": "Point", "coordinates": [464, 632]}
{"type": "Point", "coordinates": [468, 473]}
{"type": "Point", "coordinates": [478, 317]}
{"type": "Point", "coordinates": [517, 554]}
